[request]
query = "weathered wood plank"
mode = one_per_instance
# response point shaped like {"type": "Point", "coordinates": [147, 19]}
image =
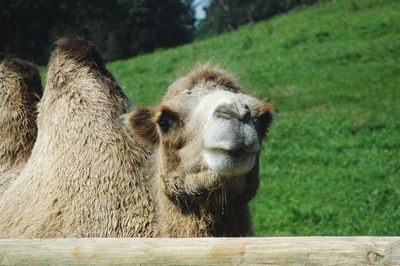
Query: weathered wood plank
{"type": "Point", "coordinates": [194, 251]}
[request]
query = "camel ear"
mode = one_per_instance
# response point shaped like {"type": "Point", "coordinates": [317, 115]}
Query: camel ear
{"type": "Point", "coordinates": [264, 119]}
{"type": "Point", "coordinates": [142, 123]}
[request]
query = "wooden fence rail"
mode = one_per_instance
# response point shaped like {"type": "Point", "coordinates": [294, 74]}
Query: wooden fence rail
{"type": "Point", "coordinates": [195, 251]}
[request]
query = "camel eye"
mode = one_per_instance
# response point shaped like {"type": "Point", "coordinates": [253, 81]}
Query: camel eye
{"type": "Point", "coordinates": [167, 120]}
{"type": "Point", "coordinates": [164, 125]}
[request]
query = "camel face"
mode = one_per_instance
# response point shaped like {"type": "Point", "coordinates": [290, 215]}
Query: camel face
{"type": "Point", "coordinates": [208, 134]}
{"type": "Point", "coordinates": [206, 123]}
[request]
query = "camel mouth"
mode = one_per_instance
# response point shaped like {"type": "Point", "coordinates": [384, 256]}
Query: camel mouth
{"type": "Point", "coordinates": [239, 153]}
{"type": "Point", "coordinates": [235, 153]}
{"type": "Point", "coordinates": [230, 162]}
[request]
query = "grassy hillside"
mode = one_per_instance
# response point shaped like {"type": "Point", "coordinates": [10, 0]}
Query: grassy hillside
{"type": "Point", "coordinates": [331, 165]}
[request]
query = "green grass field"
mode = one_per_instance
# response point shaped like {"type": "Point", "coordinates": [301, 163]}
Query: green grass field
{"type": "Point", "coordinates": [331, 165]}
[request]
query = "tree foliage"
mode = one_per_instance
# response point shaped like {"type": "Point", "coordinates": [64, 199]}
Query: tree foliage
{"type": "Point", "coordinates": [120, 28]}
{"type": "Point", "coordinates": [226, 15]}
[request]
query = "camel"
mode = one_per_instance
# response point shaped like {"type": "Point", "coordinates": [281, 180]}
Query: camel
{"type": "Point", "coordinates": [187, 168]}
{"type": "Point", "coordinates": [207, 135]}
{"type": "Point", "coordinates": [20, 91]}
{"type": "Point", "coordinates": [85, 176]}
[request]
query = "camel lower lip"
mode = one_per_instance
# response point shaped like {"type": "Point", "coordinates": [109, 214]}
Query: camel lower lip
{"type": "Point", "coordinates": [230, 163]}
{"type": "Point", "coordinates": [232, 153]}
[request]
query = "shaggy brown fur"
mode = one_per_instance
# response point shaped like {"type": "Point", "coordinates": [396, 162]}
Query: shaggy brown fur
{"type": "Point", "coordinates": [85, 175]}
{"type": "Point", "coordinates": [203, 74]}
{"type": "Point", "coordinates": [195, 203]}
{"type": "Point", "coordinates": [20, 90]}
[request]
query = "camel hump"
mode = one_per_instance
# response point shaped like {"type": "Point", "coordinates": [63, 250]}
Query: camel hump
{"type": "Point", "coordinates": [21, 67]}
{"type": "Point", "coordinates": [78, 49]}
{"type": "Point", "coordinates": [28, 72]}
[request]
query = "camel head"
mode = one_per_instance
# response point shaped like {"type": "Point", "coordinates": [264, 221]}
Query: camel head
{"type": "Point", "coordinates": [208, 133]}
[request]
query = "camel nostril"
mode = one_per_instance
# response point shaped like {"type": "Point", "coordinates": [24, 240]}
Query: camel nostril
{"type": "Point", "coordinates": [226, 111]}
{"type": "Point", "coordinates": [233, 111]}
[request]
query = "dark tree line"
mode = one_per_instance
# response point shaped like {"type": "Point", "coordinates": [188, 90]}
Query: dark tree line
{"type": "Point", "coordinates": [120, 28]}
{"type": "Point", "coordinates": [226, 15]}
